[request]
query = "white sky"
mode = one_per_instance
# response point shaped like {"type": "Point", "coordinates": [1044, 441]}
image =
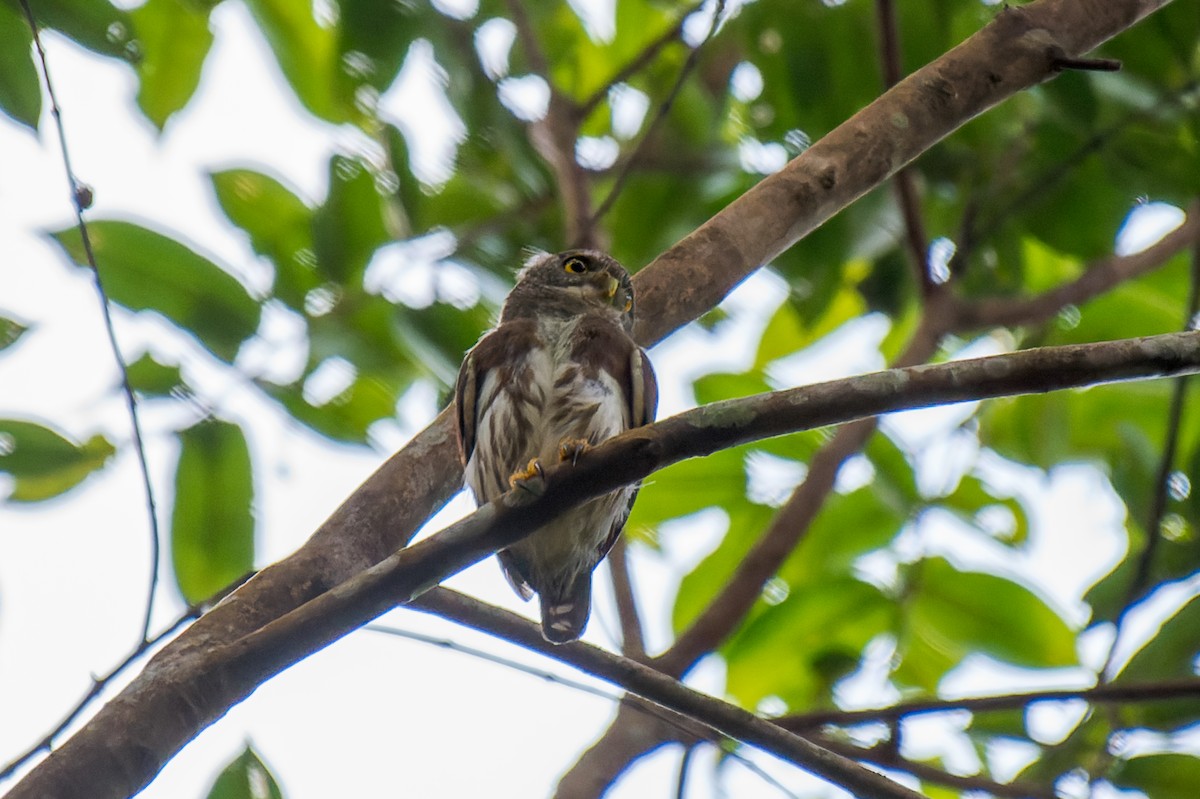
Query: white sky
{"type": "Point", "coordinates": [371, 715]}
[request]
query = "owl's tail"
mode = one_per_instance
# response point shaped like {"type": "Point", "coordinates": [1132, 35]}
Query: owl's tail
{"type": "Point", "coordinates": [564, 615]}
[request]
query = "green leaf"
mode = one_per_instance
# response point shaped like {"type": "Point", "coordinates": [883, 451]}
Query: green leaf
{"type": "Point", "coordinates": [671, 493]}
{"type": "Point", "coordinates": [972, 498]}
{"type": "Point", "coordinates": [798, 649]}
{"type": "Point", "coordinates": [746, 523]}
{"type": "Point", "coordinates": [848, 526]}
{"type": "Point", "coordinates": [20, 87]}
{"type": "Point", "coordinates": [1170, 654]}
{"type": "Point", "coordinates": [212, 523]}
{"type": "Point", "coordinates": [279, 225]}
{"type": "Point", "coordinates": [722, 386]}
{"type": "Point", "coordinates": [346, 417]}
{"type": "Point", "coordinates": [954, 612]}
{"type": "Point", "coordinates": [306, 52]}
{"type": "Point", "coordinates": [247, 777]}
{"type": "Point", "coordinates": [43, 463]}
{"type": "Point", "coordinates": [349, 227]}
{"type": "Point", "coordinates": [1165, 776]}
{"type": "Point", "coordinates": [145, 270]}
{"type": "Point", "coordinates": [96, 24]}
{"type": "Point", "coordinates": [175, 39]}
{"type": "Point", "coordinates": [10, 332]}
{"type": "Point", "coordinates": [148, 376]}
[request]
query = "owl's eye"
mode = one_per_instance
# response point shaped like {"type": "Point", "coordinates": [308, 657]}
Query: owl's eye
{"type": "Point", "coordinates": [575, 266]}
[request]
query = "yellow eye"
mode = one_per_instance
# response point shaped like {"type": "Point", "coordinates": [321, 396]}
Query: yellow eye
{"type": "Point", "coordinates": [628, 304]}
{"type": "Point", "coordinates": [575, 266]}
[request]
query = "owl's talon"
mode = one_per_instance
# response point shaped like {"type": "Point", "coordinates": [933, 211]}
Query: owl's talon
{"type": "Point", "coordinates": [531, 480]}
{"type": "Point", "coordinates": [571, 448]}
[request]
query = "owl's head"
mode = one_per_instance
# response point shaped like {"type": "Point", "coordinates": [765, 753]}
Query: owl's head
{"type": "Point", "coordinates": [569, 284]}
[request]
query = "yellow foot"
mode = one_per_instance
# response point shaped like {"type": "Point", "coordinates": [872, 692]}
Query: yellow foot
{"type": "Point", "coordinates": [531, 481]}
{"type": "Point", "coordinates": [520, 479]}
{"type": "Point", "coordinates": [571, 448]}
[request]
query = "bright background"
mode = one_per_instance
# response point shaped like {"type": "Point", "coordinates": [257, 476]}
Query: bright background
{"type": "Point", "coordinates": [372, 715]}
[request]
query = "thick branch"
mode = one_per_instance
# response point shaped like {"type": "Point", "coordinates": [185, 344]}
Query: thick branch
{"type": "Point", "coordinates": [728, 720]}
{"type": "Point", "coordinates": [1015, 51]}
{"type": "Point", "coordinates": [133, 736]}
{"type": "Point", "coordinates": [229, 673]}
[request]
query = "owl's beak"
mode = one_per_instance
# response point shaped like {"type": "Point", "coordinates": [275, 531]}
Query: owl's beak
{"type": "Point", "coordinates": [610, 287]}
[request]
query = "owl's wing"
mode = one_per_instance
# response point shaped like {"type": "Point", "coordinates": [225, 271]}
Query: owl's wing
{"type": "Point", "coordinates": [497, 351]}
{"type": "Point", "coordinates": [643, 393]}
{"type": "Point", "coordinates": [643, 404]}
{"type": "Point", "coordinates": [466, 395]}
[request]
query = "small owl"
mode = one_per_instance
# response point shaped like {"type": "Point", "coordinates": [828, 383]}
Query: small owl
{"type": "Point", "coordinates": [559, 374]}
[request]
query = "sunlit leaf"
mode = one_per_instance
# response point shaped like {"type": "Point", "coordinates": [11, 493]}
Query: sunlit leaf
{"type": "Point", "coordinates": [96, 24]}
{"type": "Point", "coordinates": [306, 51]}
{"type": "Point", "coordinates": [746, 524]}
{"type": "Point", "coordinates": [1165, 776]}
{"type": "Point", "coordinates": [44, 463]}
{"type": "Point", "coordinates": [175, 40]}
{"type": "Point", "coordinates": [954, 612]}
{"type": "Point", "coordinates": [1170, 654]}
{"type": "Point", "coordinates": [797, 649]}
{"type": "Point", "coordinates": [848, 526]}
{"type": "Point", "coordinates": [279, 225]}
{"type": "Point", "coordinates": [212, 523]}
{"type": "Point", "coordinates": [145, 270]}
{"type": "Point", "coordinates": [345, 417]}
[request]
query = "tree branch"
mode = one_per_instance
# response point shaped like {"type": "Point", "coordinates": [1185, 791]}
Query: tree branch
{"type": "Point", "coordinates": [1013, 52]}
{"type": "Point", "coordinates": [887, 757]}
{"type": "Point", "coordinates": [723, 718]}
{"type": "Point", "coordinates": [633, 643]}
{"type": "Point", "coordinates": [1101, 277]}
{"type": "Point", "coordinates": [228, 673]}
{"type": "Point", "coordinates": [132, 737]}
{"type": "Point", "coordinates": [1102, 694]}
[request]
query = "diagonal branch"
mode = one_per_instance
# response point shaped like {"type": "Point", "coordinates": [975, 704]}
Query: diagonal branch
{"type": "Point", "coordinates": [633, 643]}
{"type": "Point", "coordinates": [232, 671]}
{"type": "Point", "coordinates": [133, 736]}
{"type": "Point", "coordinates": [717, 719]}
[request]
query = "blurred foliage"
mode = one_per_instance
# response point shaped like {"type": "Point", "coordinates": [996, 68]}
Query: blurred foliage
{"type": "Point", "coordinates": [1026, 196]}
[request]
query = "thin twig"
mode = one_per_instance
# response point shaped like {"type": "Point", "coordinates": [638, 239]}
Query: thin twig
{"type": "Point", "coordinates": [80, 199]}
{"type": "Point", "coordinates": [97, 686]}
{"type": "Point", "coordinates": [685, 763]}
{"type": "Point", "coordinates": [904, 181]}
{"type": "Point", "coordinates": [1100, 694]}
{"type": "Point", "coordinates": [663, 109]}
{"type": "Point", "coordinates": [633, 642]}
{"type": "Point", "coordinates": [888, 758]}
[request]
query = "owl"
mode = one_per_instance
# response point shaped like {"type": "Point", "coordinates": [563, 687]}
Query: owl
{"type": "Point", "coordinates": [558, 375]}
